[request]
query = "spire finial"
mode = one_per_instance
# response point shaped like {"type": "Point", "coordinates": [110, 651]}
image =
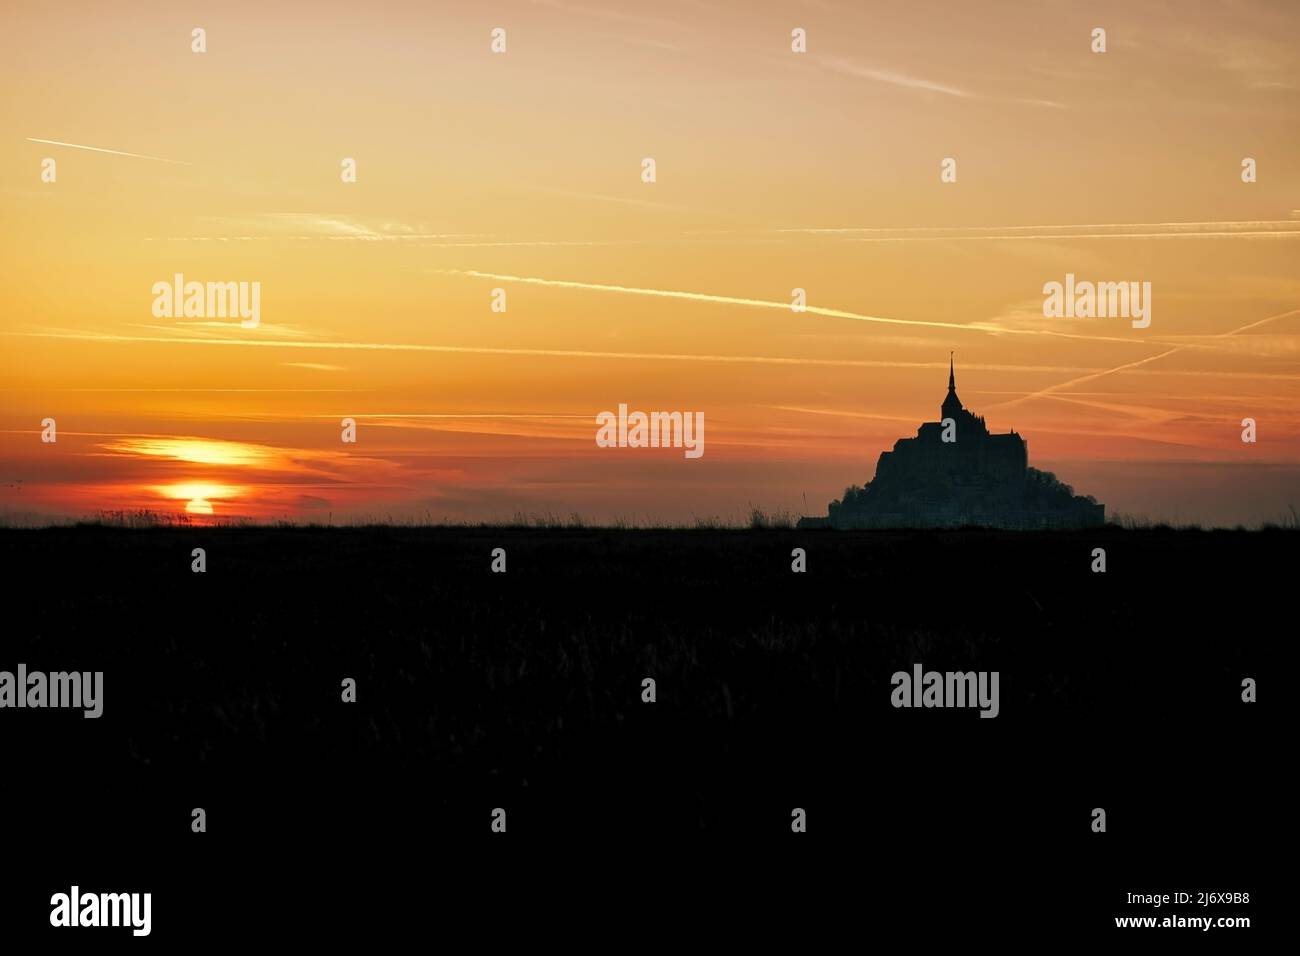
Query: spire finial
{"type": "Point", "coordinates": [952, 380]}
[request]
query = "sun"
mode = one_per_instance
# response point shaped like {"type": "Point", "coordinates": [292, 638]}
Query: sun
{"type": "Point", "coordinates": [199, 495]}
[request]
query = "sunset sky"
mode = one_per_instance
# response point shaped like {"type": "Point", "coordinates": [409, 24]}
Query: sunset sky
{"type": "Point", "coordinates": [523, 171]}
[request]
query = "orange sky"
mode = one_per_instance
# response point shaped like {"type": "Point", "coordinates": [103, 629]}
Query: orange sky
{"type": "Point", "coordinates": [775, 170]}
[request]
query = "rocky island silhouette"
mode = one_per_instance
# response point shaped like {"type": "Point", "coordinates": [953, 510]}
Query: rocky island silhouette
{"type": "Point", "coordinates": [957, 473]}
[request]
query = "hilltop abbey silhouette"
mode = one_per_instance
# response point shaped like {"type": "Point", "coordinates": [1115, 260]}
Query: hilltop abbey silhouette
{"type": "Point", "coordinates": [956, 472]}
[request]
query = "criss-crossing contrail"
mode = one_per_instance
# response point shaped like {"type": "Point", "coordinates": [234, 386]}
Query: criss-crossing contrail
{"type": "Point", "coordinates": [115, 152]}
{"type": "Point", "coordinates": [1051, 390]}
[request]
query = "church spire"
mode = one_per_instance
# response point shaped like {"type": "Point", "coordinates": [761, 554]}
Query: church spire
{"type": "Point", "coordinates": [952, 404]}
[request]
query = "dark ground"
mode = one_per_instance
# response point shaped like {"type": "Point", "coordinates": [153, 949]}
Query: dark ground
{"type": "Point", "coordinates": [522, 690]}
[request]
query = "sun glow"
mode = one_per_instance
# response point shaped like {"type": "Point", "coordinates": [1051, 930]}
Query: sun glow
{"type": "Point", "coordinates": [200, 451]}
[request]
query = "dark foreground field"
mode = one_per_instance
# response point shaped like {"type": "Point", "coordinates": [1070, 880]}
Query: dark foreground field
{"type": "Point", "coordinates": [522, 691]}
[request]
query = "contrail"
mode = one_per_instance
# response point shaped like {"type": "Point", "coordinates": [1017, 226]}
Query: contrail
{"type": "Point", "coordinates": [115, 152]}
{"type": "Point", "coordinates": [1238, 234]}
{"type": "Point", "coordinates": [1220, 229]}
{"type": "Point", "coordinates": [1052, 389]}
{"type": "Point", "coordinates": [1186, 227]}
{"type": "Point", "coordinates": [634, 356]}
{"type": "Point", "coordinates": [1263, 228]}
{"type": "Point", "coordinates": [783, 306]}
{"type": "Point", "coordinates": [551, 353]}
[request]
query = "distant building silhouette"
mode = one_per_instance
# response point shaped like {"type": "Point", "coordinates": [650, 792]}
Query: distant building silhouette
{"type": "Point", "coordinates": [956, 472]}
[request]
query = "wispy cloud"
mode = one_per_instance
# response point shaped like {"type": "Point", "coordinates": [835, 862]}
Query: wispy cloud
{"type": "Point", "coordinates": [315, 225]}
{"type": "Point", "coordinates": [620, 200]}
{"type": "Point", "coordinates": [250, 458]}
{"type": "Point", "coordinates": [201, 451]}
{"type": "Point", "coordinates": [843, 413]}
{"type": "Point", "coordinates": [202, 327]}
{"type": "Point", "coordinates": [601, 13]}
{"type": "Point", "coordinates": [894, 78]}
{"type": "Point", "coordinates": [850, 68]}
{"type": "Point", "coordinates": [1262, 62]}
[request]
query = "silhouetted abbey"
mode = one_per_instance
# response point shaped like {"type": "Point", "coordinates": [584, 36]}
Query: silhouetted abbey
{"type": "Point", "coordinates": [956, 473]}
